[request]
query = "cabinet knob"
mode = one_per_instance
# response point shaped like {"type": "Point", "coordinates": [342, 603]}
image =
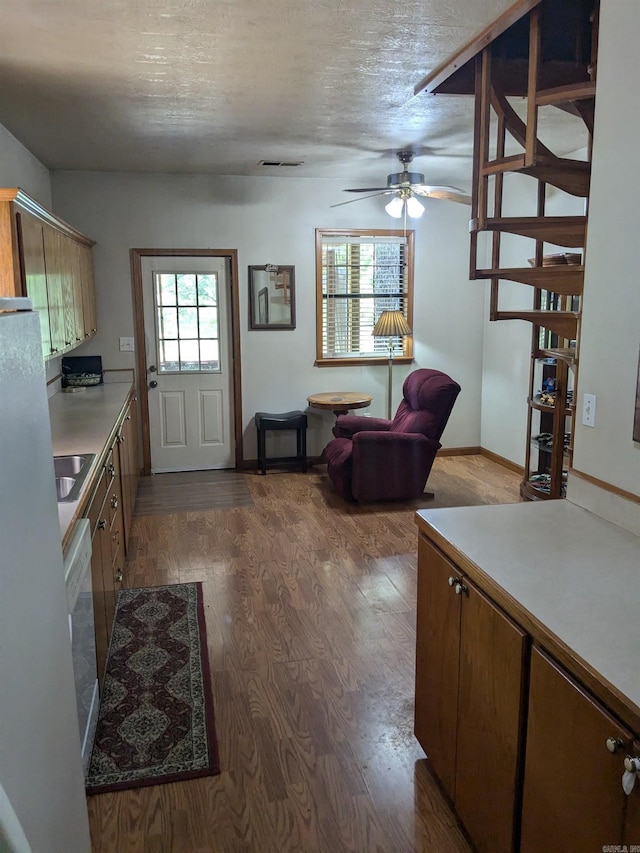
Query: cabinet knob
{"type": "Point", "coordinates": [614, 744]}
{"type": "Point", "coordinates": [119, 576]}
{"type": "Point", "coordinates": [457, 585]}
{"type": "Point", "coordinates": [102, 524]}
{"type": "Point", "coordinates": [112, 471]}
{"type": "Point", "coordinates": [631, 764]}
{"type": "Point", "coordinates": [114, 502]}
{"type": "Point", "coordinates": [67, 343]}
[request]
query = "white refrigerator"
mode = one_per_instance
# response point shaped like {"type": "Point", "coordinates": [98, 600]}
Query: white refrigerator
{"type": "Point", "coordinates": [41, 778]}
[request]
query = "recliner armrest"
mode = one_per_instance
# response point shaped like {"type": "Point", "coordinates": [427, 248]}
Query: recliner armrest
{"type": "Point", "coordinates": [347, 426]}
{"type": "Point", "coordinates": [391, 465]}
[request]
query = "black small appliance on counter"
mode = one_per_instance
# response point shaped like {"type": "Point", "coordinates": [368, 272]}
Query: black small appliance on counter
{"type": "Point", "coordinates": [81, 371]}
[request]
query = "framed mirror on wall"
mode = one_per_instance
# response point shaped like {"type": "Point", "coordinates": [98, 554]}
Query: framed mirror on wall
{"type": "Point", "coordinates": [272, 300]}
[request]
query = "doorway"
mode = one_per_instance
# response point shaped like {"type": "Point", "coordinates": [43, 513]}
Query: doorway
{"type": "Point", "coordinates": [186, 307]}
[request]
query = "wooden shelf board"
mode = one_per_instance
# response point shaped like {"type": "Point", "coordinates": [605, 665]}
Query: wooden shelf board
{"type": "Point", "coordinates": [563, 323]}
{"type": "Point", "coordinates": [566, 94]}
{"type": "Point", "coordinates": [567, 354]}
{"type": "Point", "coordinates": [572, 179]}
{"type": "Point", "coordinates": [567, 279]}
{"type": "Point", "coordinates": [567, 231]}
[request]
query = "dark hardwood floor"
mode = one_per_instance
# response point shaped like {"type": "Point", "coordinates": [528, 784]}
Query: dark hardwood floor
{"type": "Point", "coordinates": [310, 609]}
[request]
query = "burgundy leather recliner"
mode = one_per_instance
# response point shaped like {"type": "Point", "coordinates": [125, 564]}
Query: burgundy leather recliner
{"type": "Point", "coordinates": [374, 459]}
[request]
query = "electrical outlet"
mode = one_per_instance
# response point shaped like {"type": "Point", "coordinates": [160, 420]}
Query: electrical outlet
{"type": "Point", "coordinates": [126, 344]}
{"type": "Point", "coordinates": [589, 410]}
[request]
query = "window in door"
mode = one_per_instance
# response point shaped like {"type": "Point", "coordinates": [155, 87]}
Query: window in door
{"type": "Point", "coordinates": [360, 274]}
{"type": "Point", "coordinates": [187, 322]}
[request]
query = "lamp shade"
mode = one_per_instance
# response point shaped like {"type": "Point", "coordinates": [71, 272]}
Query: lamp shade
{"type": "Point", "coordinates": [391, 324]}
{"type": "Point", "coordinates": [395, 206]}
{"type": "Point", "coordinates": [406, 200]}
{"type": "Point", "coordinates": [414, 208]}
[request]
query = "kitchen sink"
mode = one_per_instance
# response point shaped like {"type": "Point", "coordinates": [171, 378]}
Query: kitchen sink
{"type": "Point", "coordinates": [71, 472]}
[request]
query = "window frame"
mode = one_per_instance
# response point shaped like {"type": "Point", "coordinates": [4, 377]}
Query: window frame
{"type": "Point", "coordinates": [407, 345]}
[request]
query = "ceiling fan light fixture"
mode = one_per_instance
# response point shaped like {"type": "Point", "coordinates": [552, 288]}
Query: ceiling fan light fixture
{"type": "Point", "coordinates": [395, 206]}
{"type": "Point", "coordinates": [414, 208]}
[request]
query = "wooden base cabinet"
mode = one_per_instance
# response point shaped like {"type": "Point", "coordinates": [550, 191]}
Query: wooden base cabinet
{"type": "Point", "coordinates": [573, 798]}
{"type": "Point", "coordinates": [530, 751]}
{"type": "Point", "coordinates": [127, 440]}
{"type": "Point", "coordinates": [109, 511]}
{"type": "Point", "coordinates": [98, 516]}
{"type": "Point", "coordinates": [470, 666]}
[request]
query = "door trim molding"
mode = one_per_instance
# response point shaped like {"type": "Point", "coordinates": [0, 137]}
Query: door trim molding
{"type": "Point", "coordinates": [137, 284]}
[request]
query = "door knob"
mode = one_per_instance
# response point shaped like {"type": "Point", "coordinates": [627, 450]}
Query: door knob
{"type": "Point", "coordinates": [153, 385]}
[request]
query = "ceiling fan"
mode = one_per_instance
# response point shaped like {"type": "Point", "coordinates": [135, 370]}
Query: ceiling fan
{"type": "Point", "coordinates": [405, 187]}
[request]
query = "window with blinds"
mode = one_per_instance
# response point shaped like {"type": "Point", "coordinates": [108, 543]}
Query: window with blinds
{"type": "Point", "coordinates": [359, 275]}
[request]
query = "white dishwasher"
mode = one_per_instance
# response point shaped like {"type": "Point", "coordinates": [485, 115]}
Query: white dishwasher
{"type": "Point", "coordinates": [77, 574]}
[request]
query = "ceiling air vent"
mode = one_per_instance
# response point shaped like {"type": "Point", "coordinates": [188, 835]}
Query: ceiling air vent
{"type": "Point", "coordinates": [280, 163]}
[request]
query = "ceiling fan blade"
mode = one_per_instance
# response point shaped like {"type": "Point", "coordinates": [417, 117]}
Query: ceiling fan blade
{"type": "Point", "coordinates": [443, 193]}
{"type": "Point", "coordinates": [419, 188]}
{"type": "Point", "coordinates": [367, 190]}
{"type": "Point", "coordinates": [351, 200]}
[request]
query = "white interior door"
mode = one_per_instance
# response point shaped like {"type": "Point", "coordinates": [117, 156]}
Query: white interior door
{"type": "Point", "coordinates": [189, 363]}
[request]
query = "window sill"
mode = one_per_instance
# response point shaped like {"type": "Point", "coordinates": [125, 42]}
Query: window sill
{"type": "Point", "coordinates": [358, 362]}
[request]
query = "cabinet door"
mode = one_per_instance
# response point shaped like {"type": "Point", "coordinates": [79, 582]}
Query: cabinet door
{"type": "Point", "coordinates": [85, 256]}
{"type": "Point", "coordinates": [124, 443]}
{"type": "Point", "coordinates": [76, 286]}
{"type": "Point", "coordinates": [53, 267]}
{"type": "Point", "coordinates": [491, 685]}
{"type": "Point", "coordinates": [67, 253]}
{"type": "Point", "coordinates": [632, 815]}
{"type": "Point", "coordinates": [573, 798]}
{"type": "Point", "coordinates": [437, 658]}
{"type": "Point", "coordinates": [101, 551]}
{"type": "Point", "coordinates": [35, 278]}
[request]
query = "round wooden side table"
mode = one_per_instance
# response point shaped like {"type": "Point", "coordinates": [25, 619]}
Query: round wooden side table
{"type": "Point", "coordinates": [340, 402]}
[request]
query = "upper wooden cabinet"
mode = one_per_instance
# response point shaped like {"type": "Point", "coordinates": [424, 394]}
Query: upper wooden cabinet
{"type": "Point", "coordinates": [44, 258]}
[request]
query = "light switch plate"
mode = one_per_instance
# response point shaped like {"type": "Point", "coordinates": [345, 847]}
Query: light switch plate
{"type": "Point", "coordinates": [589, 410]}
{"type": "Point", "coordinates": [126, 344]}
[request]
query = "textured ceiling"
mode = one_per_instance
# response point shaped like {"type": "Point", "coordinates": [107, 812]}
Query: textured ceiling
{"type": "Point", "coordinates": [215, 86]}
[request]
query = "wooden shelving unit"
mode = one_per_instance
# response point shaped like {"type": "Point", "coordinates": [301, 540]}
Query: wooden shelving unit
{"type": "Point", "coordinates": [544, 52]}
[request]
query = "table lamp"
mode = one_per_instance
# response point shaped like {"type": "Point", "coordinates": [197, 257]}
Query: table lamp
{"type": "Point", "coordinates": [391, 324]}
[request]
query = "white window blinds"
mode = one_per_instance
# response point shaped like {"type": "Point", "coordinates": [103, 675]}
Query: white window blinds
{"type": "Point", "coordinates": [362, 276]}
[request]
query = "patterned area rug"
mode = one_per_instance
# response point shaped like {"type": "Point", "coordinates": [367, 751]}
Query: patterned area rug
{"type": "Point", "coordinates": [156, 721]}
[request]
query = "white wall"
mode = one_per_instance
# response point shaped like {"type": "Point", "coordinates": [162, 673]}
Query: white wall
{"type": "Point", "coordinates": [19, 168]}
{"type": "Point", "coordinates": [273, 220]}
{"type": "Point", "coordinates": [611, 313]}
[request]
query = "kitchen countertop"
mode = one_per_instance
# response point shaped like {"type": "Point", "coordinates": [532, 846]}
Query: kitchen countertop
{"type": "Point", "coordinates": [571, 570]}
{"type": "Point", "coordinates": [83, 422]}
